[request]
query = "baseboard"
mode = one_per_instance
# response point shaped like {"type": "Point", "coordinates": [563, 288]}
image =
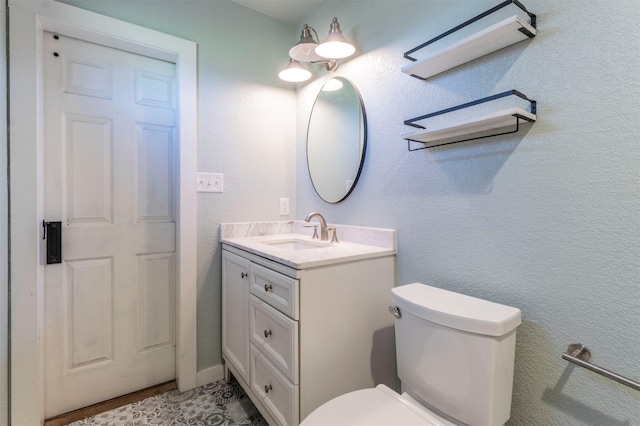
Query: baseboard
{"type": "Point", "coordinates": [209, 375]}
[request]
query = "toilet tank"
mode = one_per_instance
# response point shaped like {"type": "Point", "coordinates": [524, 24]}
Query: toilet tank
{"type": "Point", "coordinates": [455, 353]}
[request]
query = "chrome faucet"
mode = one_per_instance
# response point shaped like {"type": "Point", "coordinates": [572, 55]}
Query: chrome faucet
{"type": "Point", "coordinates": [324, 234]}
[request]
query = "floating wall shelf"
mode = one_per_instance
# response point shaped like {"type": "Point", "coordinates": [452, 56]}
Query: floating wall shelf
{"type": "Point", "coordinates": [505, 33]}
{"type": "Point", "coordinates": [510, 117]}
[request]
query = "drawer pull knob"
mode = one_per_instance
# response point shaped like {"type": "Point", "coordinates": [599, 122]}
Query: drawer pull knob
{"type": "Point", "coordinates": [268, 287]}
{"type": "Point", "coordinates": [267, 333]}
{"type": "Point", "coordinates": [267, 388]}
{"type": "Point", "coordinates": [243, 275]}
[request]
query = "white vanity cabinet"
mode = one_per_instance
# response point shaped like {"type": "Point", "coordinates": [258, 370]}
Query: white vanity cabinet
{"type": "Point", "coordinates": [295, 338]}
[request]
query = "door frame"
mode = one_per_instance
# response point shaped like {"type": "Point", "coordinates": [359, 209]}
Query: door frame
{"type": "Point", "coordinates": [28, 20]}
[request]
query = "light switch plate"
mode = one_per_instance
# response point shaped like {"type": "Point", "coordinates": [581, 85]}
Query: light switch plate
{"type": "Point", "coordinates": [209, 182]}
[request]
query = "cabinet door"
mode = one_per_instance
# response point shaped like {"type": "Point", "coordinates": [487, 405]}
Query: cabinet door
{"type": "Point", "coordinates": [235, 312]}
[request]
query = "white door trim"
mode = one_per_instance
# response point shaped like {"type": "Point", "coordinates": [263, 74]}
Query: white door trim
{"type": "Point", "coordinates": [27, 22]}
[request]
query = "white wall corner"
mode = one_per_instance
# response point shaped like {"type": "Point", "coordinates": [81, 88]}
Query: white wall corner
{"type": "Point", "coordinates": [210, 375]}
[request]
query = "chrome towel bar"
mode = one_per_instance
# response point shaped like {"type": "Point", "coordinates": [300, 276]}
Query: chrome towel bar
{"type": "Point", "coordinates": [578, 354]}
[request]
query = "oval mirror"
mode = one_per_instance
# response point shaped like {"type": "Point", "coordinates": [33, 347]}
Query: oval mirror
{"type": "Point", "coordinates": [336, 140]}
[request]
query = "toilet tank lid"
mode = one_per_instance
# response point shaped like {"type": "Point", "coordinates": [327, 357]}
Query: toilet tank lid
{"type": "Point", "coordinates": [455, 310]}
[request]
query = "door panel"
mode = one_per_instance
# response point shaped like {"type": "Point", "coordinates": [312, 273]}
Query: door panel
{"type": "Point", "coordinates": [88, 156]}
{"type": "Point", "coordinates": [86, 76]}
{"type": "Point", "coordinates": [110, 143]}
{"type": "Point", "coordinates": [157, 289]}
{"type": "Point", "coordinates": [89, 288]}
{"type": "Point", "coordinates": [155, 173]}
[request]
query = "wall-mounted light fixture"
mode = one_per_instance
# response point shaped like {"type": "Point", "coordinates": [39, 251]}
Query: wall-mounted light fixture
{"type": "Point", "coordinates": [329, 52]}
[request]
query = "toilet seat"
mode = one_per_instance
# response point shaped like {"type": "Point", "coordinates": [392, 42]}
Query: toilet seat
{"type": "Point", "coordinates": [374, 406]}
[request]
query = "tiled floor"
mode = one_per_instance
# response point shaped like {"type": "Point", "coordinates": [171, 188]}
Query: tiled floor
{"type": "Point", "coordinates": [215, 404]}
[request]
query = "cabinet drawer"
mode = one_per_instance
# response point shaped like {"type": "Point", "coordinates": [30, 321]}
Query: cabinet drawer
{"type": "Point", "coordinates": [276, 335]}
{"type": "Point", "coordinates": [278, 394]}
{"type": "Point", "coordinates": [276, 289]}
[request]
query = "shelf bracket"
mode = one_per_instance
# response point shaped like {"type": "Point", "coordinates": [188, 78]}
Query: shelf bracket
{"type": "Point", "coordinates": [532, 18]}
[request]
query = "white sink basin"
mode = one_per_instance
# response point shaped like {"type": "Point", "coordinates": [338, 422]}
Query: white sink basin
{"type": "Point", "coordinates": [293, 244]}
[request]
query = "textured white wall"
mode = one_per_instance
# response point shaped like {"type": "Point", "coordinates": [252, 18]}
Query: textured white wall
{"type": "Point", "coordinates": [246, 124]}
{"type": "Point", "coordinates": [4, 338]}
{"type": "Point", "coordinates": [547, 220]}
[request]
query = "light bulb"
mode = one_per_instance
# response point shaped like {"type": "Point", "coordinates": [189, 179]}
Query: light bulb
{"type": "Point", "coordinates": [294, 72]}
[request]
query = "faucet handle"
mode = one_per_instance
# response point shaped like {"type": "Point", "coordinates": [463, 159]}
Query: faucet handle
{"type": "Point", "coordinates": [334, 234]}
{"type": "Point", "coordinates": [315, 231]}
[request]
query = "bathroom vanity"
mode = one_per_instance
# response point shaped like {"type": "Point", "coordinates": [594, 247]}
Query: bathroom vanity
{"type": "Point", "coordinates": [304, 320]}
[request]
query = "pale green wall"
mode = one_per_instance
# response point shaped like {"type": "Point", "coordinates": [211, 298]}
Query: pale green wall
{"type": "Point", "coordinates": [246, 124]}
{"type": "Point", "coordinates": [547, 220]}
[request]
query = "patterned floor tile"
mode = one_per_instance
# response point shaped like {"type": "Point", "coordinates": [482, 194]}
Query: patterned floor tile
{"type": "Point", "coordinates": [215, 404]}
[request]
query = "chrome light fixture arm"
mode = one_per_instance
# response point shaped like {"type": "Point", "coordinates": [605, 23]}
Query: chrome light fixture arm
{"type": "Point", "coordinates": [330, 65]}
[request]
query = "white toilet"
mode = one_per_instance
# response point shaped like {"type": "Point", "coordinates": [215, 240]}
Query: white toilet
{"type": "Point", "coordinates": [455, 357]}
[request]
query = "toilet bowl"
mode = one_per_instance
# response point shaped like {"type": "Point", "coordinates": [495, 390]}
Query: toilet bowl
{"type": "Point", "coordinates": [379, 406]}
{"type": "Point", "coordinates": [455, 358]}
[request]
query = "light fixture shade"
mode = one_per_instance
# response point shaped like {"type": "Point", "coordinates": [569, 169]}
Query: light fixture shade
{"type": "Point", "coordinates": [335, 46]}
{"type": "Point", "coordinates": [304, 50]}
{"type": "Point", "coordinates": [294, 72]}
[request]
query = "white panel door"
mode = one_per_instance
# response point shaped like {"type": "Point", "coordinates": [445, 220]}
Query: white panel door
{"type": "Point", "coordinates": [110, 135]}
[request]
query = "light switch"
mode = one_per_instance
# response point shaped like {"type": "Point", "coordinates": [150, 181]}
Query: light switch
{"type": "Point", "coordinates": [209, 182]}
